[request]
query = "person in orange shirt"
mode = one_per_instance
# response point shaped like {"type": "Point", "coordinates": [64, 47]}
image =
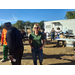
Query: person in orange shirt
{"type": "Point", "coordinates": [4, 44]}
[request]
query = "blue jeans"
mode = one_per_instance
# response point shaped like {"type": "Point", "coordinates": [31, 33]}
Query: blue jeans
{"type": "Point", "coordinates": [35, 52]}
{"type": "Point", "coordinates": [58, 35]}
{"type": "Point", "coordinates": [52, 36]}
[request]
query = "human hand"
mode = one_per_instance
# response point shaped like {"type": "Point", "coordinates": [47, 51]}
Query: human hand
{"type": "Point", "coordinates": [11, 58]}
{"type": "Point", "coordinates": [24, 41]}
{"type": "Point", "coordinates": [40, 47]}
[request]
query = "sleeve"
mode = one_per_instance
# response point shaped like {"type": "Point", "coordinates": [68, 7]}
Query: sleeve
{"type": "Point", "coordinates": [30, 37]}
{"type": "Point", "coordinates": [42, 37]}
{"type": "Point", "coordinates": [10, 43]}
{"type": "Point", "coordinates": [2, 37]}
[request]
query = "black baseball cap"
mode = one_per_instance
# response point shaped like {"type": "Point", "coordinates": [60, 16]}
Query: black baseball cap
{"type": "Point", "coordinates": [6, 24]}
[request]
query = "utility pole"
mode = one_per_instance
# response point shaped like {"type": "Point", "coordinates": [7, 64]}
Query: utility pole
{"type": "Point", "coordinates": [25, 29]}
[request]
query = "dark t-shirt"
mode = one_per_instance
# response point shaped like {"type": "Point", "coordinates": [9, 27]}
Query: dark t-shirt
{"type": "Point", "coordinates": [36, 39]}
{"type": "Point", "coordinates": [53, 32]}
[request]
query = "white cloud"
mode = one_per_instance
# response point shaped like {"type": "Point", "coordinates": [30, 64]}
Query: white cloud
{"type": "Point", "coordinates": [14, 19]}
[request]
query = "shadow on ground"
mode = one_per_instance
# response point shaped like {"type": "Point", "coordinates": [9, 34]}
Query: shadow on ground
{"type": "Point", "coordinates": [25, 44]}
{"type": "Point", "coordinates": [50, 42]}
{"type": "Point", "coordinates": [69, 63]}
{"type": "Point", "coordinates": [28, 56]}
{"type": "Point", "coordinates": [1, 53]}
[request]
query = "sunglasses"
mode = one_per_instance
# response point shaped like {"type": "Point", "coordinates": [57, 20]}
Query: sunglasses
{"type": "Point", "coordinates": [36, 28]}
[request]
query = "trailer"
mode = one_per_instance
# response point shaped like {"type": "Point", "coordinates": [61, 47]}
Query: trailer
{"type": "Point", "coordinates": [64, 25]}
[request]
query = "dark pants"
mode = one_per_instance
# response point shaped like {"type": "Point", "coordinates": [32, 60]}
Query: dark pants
{"type": "Point", "coordinates": [58, 35]}
{"type": "Point", "coordinates": [18, 56]}
{"type": "Point", "coordinates": [5, 51]}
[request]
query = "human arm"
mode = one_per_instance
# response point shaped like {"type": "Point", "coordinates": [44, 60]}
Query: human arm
{"type": "Point", "coordinates": [11, 44]}
{"type": "Point", "coordinates": [53, 31]}
{"type": "Point", "coordinates": [42, 44]}
{"type": "Point", "coordinates": [30, 41]}
{"type": "Point", "coordinates": [2, 38]}
{"type": "Point", "coordinates": [30, 44]}
{"type": "Point", "coordinates": [56, 31]}
{"type": "Point", "coordinates": [42, 38]}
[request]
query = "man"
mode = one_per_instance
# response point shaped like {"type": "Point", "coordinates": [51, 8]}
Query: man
{"type": "Point", "coordinates": [4, 44]}
{"type": "Point", "coordinates": [14, 43]}
{"type": "Point", "coordinates": [58, 31]}
{"type": "Point", "coordinates": [66, 34]}
{"type": "Point", "coordinates": [52, 34]}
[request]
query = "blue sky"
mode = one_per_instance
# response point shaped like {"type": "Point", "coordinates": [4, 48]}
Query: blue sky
{"type": "Point", "coordinates": [32, 15]}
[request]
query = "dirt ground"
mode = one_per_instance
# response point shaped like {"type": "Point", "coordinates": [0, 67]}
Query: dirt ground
{"type": "Point", "coordinates": [52, 55]}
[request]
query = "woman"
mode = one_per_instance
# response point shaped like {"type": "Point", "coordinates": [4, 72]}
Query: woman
{"type": "Point", "coordinates": [58, 32]}
{"type": "Point", "coordinates": [52, 34]}
{"type": "Point", "coordinates": [36, 44]}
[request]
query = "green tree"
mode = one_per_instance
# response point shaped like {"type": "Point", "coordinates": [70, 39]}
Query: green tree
{"type": "Point", "coordinates": [19, 24]}
{"type": "Point", "coordinates": [1, 27]}
{"type": "Point", "coordinates": [27, 23]}
{"type": "Point", "coordinates": [32, 24]}
{"type": "Point", "coordinates": [70, 15]}
{"type": "Point", "coordinates": [41, 24]}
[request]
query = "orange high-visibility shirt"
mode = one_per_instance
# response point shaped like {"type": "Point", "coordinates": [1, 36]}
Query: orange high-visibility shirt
{"type": "Point", "coordinates": [3, 37]}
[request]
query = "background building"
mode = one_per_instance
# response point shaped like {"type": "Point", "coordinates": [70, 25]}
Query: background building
{"type": "Point", "coordinates": [64, 25]}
